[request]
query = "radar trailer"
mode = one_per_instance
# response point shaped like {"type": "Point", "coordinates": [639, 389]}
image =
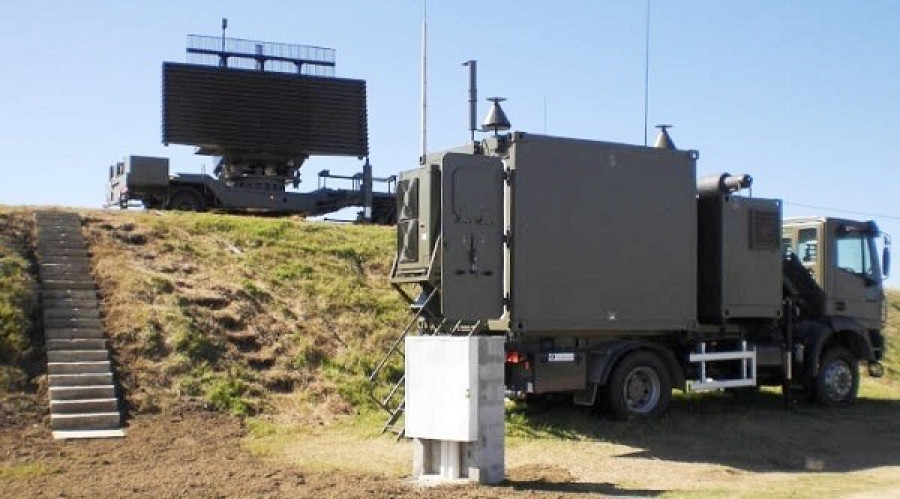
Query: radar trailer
{"type": "Point", "coordinates": [261, 109]}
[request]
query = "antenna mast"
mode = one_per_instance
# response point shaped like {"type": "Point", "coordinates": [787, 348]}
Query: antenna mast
{"type": "Point", "coordinates": [646, 70]}
{"type": "Point", "coordinates": [424, 77]}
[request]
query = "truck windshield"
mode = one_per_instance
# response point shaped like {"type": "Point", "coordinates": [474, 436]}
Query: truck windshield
{"type": "Point", "coordinates": [856, 254]}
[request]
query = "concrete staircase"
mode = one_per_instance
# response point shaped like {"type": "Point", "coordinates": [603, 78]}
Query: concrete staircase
{"type": "Point", "coordinates": [83, 402]}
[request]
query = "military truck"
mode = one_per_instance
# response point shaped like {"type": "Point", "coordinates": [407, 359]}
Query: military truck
{"type": "Point", "coordinates": [616, 275]}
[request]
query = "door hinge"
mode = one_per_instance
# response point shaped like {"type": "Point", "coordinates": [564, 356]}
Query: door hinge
{"type": "Point", "coordinates": [507, 237]}
{"type": "Point", "coordinates": [506, 300]}
{"type": "Point", "coordinates": [507, 176]}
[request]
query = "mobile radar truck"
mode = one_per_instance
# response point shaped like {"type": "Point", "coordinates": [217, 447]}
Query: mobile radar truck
{"type": "Point", "coordinates": [617, 275]}
{"type": "Point", "coordinates": [261, 109]}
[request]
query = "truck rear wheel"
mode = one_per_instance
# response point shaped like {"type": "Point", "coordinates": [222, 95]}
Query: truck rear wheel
{"type": "Point", "coordinates": [185, 199]}
{"type": "Point", "coordinates": [838, 380]}
{"type": "Point", "coordinates": [639, 387]}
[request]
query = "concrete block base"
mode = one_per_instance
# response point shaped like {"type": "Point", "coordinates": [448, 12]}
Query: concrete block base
{"type": "Point", "coordinates": [436, 457]}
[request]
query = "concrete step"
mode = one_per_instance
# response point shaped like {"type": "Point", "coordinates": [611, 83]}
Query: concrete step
{"type": "Point", "coordinates": [88, 285]}
{"type": "Point", "coordinates": [86, 421]}
{"type": "Point", "coordinates": [82, 406]}
{"type": "Point", "coordinates": [87, 434]}
{"type": "Point", "coordinates": [90, 367]}
{"type": "Point", "coordinates": [75, 294]}
{"type": "Point", "coordinates": [81, 343]}
{"type": "Point", "coordinates": [48, 252]}
{"type": "Point", "coordinates": [64, 333]}
{"type": "Point", "coordinates": [75, 275]}
{"type": "Point", "coordinates": [69, 226]}
{"type": "Point", "coordinates": [55, 236]}
{"type": "Point", "coordinates": [82, 392]}
{"type": "Point", "coordinates": [63, 303]}
{"type": "Point", "coordinates": [60, 262]}
{"type": "Point", "coordinates": [65, 269]}
{"type": "Point", "coordinates": [75, 247]}
{"type": "Point", "coordinates": [58, 224]}
{"type": "Point", "coordinates": [71, 265]}
{"type": "Point", "coordinates": [65, 260]}
{"type": "Point", "coordinates": [70, 312]}
{"type": "Point", "coordinates": [77, 355]}
{"type": "Point", "coordinates": [60, 323]}
{"type": "Point", "coordinates": [80, 379]}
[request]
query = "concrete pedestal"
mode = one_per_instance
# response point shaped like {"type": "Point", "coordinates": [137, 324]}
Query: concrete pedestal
{"type": "Point", "coordinates": [454, 407]}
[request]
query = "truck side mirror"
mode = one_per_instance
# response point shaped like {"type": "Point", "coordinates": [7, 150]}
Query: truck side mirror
{"type": "Point", "coordinates": [886, 259]}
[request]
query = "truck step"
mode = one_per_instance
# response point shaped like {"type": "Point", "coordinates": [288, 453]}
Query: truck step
{"type": "Point", "coordinates": [86, 421]}
{"type": "Point", "coordinates": [81, 406]}
{"type": "Point", "coordinates": [81, 367]}
{"type": "Point", "coordinates": [80, 379]}
{"type": "Point", "coordinates": [82, 392]}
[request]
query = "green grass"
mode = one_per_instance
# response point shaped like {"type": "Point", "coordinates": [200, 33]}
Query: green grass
{"type": "Point", "coordinates": [16, 300]}
{"type": "Point", "coordinates": [25, 470]}
{"type": "Point", "coordinates": [268, 307]}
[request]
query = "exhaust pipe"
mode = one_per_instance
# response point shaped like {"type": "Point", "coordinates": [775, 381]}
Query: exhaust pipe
{"type": "Point", "coordinates": [473, 96]}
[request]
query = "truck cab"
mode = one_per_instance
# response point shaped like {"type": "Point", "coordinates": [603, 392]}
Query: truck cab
{"type": "Point", "coordinates": [842, 257]}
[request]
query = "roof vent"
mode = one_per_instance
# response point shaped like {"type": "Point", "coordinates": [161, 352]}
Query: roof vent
{"type": "Point", "coordinates": [496, 120]}
{"type": "Point", "coordinates": [663, 141]}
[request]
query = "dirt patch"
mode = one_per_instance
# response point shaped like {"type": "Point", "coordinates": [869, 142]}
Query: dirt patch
{"type": "Point", "coordinates": [191, 454]}
{"type": "Point", "coordinates": [197, 453]}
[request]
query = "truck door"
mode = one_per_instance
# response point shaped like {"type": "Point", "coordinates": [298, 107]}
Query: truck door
{"type": "Point", "coordinates": [856, 276]}
{"type": "Point", "coordinates": [471, 237]}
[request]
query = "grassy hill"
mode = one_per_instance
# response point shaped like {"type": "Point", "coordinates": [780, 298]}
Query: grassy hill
{"type": "Point", "coordinates": [247, 314]}
{"type": "Point", "coordinates": [18, 300]}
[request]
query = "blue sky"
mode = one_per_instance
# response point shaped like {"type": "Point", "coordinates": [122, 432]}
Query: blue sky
{"type": "Point", "coordinates": [801, 94]}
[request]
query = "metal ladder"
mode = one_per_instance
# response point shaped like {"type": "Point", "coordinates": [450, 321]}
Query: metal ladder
{"type": "Point", "coordinates": [747, 356]}
{"type": "Point", "coordinates": [394, 402]}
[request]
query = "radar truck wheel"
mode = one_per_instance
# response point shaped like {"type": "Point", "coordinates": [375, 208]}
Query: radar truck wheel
{"type": "Point", "coordinates": [639, 387]}
{"type": "Point", "coordinates": [838, 380]}
{"type": "Point", "coordinates": [185, 199]}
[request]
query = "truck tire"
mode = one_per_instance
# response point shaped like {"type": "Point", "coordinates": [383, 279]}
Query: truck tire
{"type": "Point", "coordinates": [837, 382]}
{"type": "Point", "coordinates": [185, 199]}
{"type": "Point", "coordinates": [639, 386]}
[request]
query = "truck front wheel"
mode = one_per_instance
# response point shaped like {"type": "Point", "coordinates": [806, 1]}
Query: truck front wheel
{"type": "Point", "coordinates": [838, 379]}
{"type": "Point", "coordinates": [639, 387]}
{"type": "Point", "coordinates": [185, 199]}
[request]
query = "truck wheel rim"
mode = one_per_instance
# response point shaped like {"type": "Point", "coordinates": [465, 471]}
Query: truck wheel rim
{"type": "Point", "coordinates": [838, 380]}
{"type": "Point", "coordinates": [641, 390]}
